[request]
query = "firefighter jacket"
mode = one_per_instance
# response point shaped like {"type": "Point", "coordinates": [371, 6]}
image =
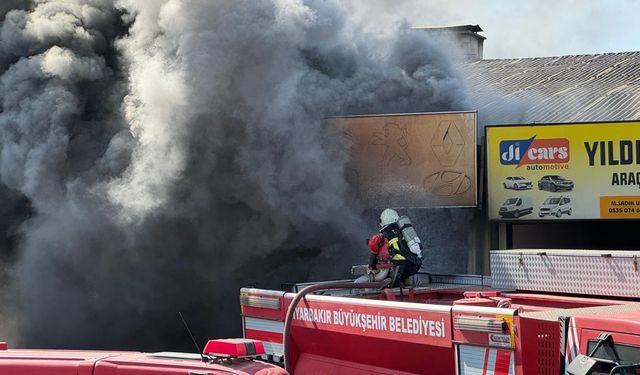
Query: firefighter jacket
{"type": "Point", "coordinates": [398, 248]}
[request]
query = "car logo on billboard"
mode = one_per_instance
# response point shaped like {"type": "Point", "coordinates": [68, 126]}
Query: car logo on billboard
{"type": "Point", "coordinates": [447, 143]}
{"type": "Point", "coordinates": [534, 151]}
{"type": "Point", "coordinates": [447, 183]}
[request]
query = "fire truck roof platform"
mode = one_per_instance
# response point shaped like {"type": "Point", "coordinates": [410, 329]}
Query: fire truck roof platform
{"type": "Point", "coordinates": [532, 280]}
{"type": "Point", "coordinates": [554, 314]}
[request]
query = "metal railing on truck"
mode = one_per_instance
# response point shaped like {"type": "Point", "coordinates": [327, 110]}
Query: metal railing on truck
{"type": "Point", "coordinates": [421, 279]}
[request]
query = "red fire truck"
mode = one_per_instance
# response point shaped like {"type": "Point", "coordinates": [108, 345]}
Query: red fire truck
{"type": "Point", "coordinates": [231, 356]}
{"type": "Point", "coordinates": [544, 312]}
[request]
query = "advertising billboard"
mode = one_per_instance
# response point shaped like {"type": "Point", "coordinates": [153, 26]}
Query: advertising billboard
{"type": "Point", "coordinates": [564, 171]}
{"type": "Point", "coordinates": [411, 160]}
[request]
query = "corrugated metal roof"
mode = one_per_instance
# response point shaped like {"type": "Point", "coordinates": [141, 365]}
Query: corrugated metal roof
{"type": "Point", "coordinates": [604, 87]}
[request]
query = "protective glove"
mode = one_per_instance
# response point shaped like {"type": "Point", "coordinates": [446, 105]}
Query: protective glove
{"type": "Point", "coordinates": [371, 270]}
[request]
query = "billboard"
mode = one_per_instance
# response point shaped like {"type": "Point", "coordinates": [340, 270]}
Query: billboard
{"type": "Point", "coordinates": [411, 160]}
{"type": "Point", "coordinates": [564, 171]}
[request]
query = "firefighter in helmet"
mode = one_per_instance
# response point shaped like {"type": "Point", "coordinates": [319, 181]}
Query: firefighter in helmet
{"type": "Point", "coordinates": [404, 246]}
{"type": "Point", "coordinates": [379, 262]}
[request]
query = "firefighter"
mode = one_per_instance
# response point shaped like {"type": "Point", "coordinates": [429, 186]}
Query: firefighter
{"type": "Point", "coordinates": [379, 262]}
{"type": "Point", "coordinates": [404, 246]}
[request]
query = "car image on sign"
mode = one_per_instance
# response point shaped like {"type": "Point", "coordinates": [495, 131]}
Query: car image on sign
{"type": "Point", "coordinates": [516, 183]}
{"type": "Point", "coordinates": [554, 183]}
{"type": "Point", "coordinates": [555, 206]}
{"type": "Point", "coordinates": [516, 207]}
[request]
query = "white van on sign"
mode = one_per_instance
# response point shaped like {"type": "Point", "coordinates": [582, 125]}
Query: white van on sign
{"type": "Point", "coordinates": [516, 207]}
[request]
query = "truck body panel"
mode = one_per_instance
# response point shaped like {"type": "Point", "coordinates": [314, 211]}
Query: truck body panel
{"type": "Point", "coordinates": [610, 273]}
{"type": "Point", "coordinates": [461, 324]}
{"type": "Point", "coordinates": [68, 362]}
{"type": "Point", "coordinates": [54, 362]}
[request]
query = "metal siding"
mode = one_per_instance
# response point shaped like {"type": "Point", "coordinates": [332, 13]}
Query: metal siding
{"type": "Point", "coordinates": [562, 271]}
{"type": "Point", "coordinates": [491, 362]}
{"type": "Point", "coordinates": [263, 325]}
{"type": "Point", "coordinates": [503, 362]}
{"type": "Point", "coordinates": [472, 361]}
{"type": "Point", "coordinates": [512, 364]}
{"type": "Point", "coordinates": [483, 310]}
{"type": "Point", "coordinates": [270, 348]}
{"type": "Point", "coordinates": [564, 332]}
{"type": "Point", "coordinates": [557, 89]}
{"type": "Point", "coordinates": [273, 348]}
{"type": "Point", "coordinates": [262, 292]}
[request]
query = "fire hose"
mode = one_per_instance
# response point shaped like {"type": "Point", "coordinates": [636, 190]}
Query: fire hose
{"type": "Point", "coordinates": [314, 288]}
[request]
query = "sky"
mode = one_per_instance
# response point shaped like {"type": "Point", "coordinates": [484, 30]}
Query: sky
{"type": "Point", "coordinates": [523, 28]}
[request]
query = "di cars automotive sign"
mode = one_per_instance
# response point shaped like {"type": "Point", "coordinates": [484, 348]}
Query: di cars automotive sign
{"type": "Point", "coordinates": [564, 171]}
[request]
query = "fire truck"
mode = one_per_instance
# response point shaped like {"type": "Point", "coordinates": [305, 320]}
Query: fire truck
{"type": "Point", "coordinates": [544, 312]}
{"type": "Point", "coordinates": [230, 356]}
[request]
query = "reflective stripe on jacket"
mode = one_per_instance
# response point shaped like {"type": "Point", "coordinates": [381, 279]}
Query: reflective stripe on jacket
{"type": "Point", "coordinates": [394, 243]}
{"type": "Point", "coordinates": [398, 247]}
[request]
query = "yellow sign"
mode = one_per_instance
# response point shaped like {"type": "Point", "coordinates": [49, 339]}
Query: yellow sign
{"type": "Point", "coordinates": [411, 160]}
{"type": "Point", "coordinates": [564, 171]}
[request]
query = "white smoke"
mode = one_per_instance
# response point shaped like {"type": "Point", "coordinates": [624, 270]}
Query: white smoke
{"type": "Point", "coordinates": [67, 66]}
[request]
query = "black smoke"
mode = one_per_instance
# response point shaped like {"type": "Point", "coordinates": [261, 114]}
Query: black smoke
{"type": "Point", "coordinates": [162, 154]}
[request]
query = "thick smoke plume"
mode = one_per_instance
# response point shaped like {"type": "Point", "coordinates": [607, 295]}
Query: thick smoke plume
{"type": "Point", "coordinates": [158, 155]}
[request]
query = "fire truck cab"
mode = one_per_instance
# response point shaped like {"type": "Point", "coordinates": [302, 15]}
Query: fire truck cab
{"type": "Point", "coordinates": [231, 357]}
{"type": "Point", "coordinates": [541, 312]}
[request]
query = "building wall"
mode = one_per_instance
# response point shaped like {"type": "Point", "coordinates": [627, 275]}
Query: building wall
{"type": "Point", "coordinates": [456, 240]}
{"type": "Point", "coordinates": [609, 235]}
{"type": "Point", "coordinates": [471, 46]}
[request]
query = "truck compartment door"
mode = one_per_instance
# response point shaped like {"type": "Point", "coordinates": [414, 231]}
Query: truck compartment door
{"type": "Point", "coordinates": [269, 332]}
{"type": "Point", "coordinates": [479, 360]}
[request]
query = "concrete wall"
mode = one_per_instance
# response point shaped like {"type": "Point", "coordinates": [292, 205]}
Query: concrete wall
{"type": "Point", "coordinates": [456, 239]}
